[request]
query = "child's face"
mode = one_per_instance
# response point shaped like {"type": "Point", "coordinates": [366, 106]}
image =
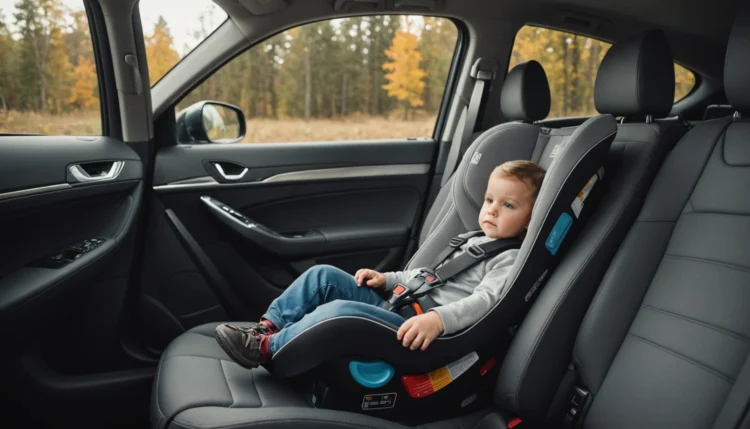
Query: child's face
{"type": "Point", "coordinates": [507, 208]}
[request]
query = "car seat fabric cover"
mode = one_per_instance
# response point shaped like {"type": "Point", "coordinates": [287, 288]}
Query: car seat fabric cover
{"type": "Point", "coordinates": [583, 156]}
{"type": "Point", "coordinates": [505, 142]}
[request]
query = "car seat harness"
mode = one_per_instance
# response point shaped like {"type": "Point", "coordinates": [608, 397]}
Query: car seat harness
{"type": "Point", "coordinates": [413, 298]}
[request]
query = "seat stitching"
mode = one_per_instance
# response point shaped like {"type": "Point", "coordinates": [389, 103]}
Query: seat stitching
{"type": "Point", "coordinates": [579, 271]}
{"type": "Point", "coordinates": [724, 377]}
{"type": "Point", "coordinates": [256, 422]}
{"type": "Point", "coordinates": [226, 380]}
{"type": "Point", "coordinates": [156, 393]}
{"type": "Point", "coordinates": [708, 261]}
{"type": "Point", "coordinates": [724, 213]}
{"type": "Point", "coordinates": [719, 329]}
{"type": "Point", "coordinates": [196, 357]}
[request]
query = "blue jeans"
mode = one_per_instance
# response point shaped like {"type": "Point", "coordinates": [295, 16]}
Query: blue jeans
{"type": "Point", "coordinates": [321, 293]}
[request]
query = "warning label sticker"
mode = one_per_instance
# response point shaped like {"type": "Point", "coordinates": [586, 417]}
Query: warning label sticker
{"type": "Point", "coordinates": [419, 386]}
{"type": "Point", "coordinates": [378, 401]}
{"type": "Point", "coordinates": [577, 205]}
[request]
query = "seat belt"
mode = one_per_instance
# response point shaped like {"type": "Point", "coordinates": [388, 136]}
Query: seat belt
{"type": "Point", "coordinates": [483, 71]}
{"type": "Point", "coordinates": [736, 406]}
{"type": "Point", "coordinates": [438, 273]}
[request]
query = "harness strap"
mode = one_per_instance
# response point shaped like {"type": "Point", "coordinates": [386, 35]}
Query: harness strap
{"type": "Point", "coordinates": [430, 278]}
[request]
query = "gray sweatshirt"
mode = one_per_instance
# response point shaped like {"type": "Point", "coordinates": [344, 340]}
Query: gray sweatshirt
{"type": "Point", "coordinates": [467, 297]}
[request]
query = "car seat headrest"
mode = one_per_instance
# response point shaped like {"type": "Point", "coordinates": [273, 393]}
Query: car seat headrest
{"type": "Point", "coordinates": [525, 95]}
{"type": "Point", "coordinates": [737, 63]}
{"type": "Point", "coordinates": [636, 77]}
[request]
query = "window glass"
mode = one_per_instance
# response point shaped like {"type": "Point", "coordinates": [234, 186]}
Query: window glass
{"type": "Point", "coordinates": [49, 83]}
{"type": "Point", "coordinates": [571, 62]}
{"type": "Point", "coordinates": [684, 81]}
{"type": "Point", "coordinates": [173, 28]}
{"type": "Point", "coordinates": [363, 78]}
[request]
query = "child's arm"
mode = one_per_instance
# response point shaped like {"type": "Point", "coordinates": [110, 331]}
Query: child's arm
{"type": "Point", "coordinates": [467, 311]}
{"type": "Point", "coordinates": [395, 277]}
{"type": "Point", "coordinates": [387, 281]}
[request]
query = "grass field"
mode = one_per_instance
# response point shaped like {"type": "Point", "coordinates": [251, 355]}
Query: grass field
{"type": "Point", "coordinates": [258, 130]}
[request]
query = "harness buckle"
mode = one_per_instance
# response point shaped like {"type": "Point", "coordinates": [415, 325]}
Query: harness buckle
{"type": "Point", "coordinates": [476, 252]}
{"type": "Point", "coordinates": [430, 277]}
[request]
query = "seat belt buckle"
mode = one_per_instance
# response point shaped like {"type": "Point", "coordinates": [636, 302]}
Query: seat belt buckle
{"type": "Point", "coordinates": [430, 277]}
{"type": "Point", "coordinates": [578, 405]}
{"type": "Point", "coordinates": [400, 290]}
{"type": "Point", "coordinates": [476, 252]}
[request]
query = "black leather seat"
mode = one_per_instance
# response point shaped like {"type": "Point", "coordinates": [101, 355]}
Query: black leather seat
{"type": "Point", "coordinates": [196, 387]}
{"type": "Point", "coordinates": [665, 341]}
{"type": "Point", "coordinates": [540, 354]}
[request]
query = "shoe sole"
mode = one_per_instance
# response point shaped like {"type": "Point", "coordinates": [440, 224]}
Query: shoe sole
{"type": "Point", "coordinates": [229, 349]}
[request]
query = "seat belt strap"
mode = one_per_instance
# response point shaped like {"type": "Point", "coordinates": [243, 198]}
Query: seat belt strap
{"type": "Point", "coordinates": [736, 406]}
{"type": "Point", "coordinates": [483, 71]}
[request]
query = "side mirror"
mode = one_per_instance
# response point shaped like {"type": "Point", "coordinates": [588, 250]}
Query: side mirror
{"type": "Point", "coordinates": [210, 122]}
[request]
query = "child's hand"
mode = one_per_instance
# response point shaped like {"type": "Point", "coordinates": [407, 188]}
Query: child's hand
{"type": "Point", "coordinates": [369, 278]}
{"type": "Point", "coordinates": [420, 330]}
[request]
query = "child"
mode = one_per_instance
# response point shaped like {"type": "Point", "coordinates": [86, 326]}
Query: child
{"type": "Point", "coordinates": [324, 292]}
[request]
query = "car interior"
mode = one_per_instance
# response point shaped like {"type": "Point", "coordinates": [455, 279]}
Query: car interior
{"type": "Point", "coordinates": [627, 306]}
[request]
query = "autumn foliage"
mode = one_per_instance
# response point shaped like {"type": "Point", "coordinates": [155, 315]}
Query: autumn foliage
{"type": "Point", "coordinates": [405, 76]}
{"type": "Point", "coordinates": [359, 67]}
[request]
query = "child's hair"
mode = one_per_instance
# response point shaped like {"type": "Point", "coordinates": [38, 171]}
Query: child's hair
{"type": "Point", "coordinates": [530, 173]}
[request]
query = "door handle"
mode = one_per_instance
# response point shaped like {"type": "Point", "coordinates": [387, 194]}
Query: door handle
{"type": "Point", "coordinates": [95, 171]}
{"type": "Point", "coordinates": [226, 176]}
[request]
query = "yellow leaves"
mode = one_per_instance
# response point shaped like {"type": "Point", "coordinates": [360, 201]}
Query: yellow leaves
{"type": "Point", "coordinates": [84, 94]}
{"type": "Point", "coordinates": [571, 63]}
{"type": "Point", "coordinates": [684, 81]}
{"type": "Point", "coordinates": [58, 71]}
{"type": "Point", "coordinates": [160, 54]}
{"type": "Point", "coordinates": [405, 77]}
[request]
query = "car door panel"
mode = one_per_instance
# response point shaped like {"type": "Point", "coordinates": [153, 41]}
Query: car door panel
{"type": "Point", "coordinates": [349, 204]}
{"type": "Point", "coordinates": [44, 210]}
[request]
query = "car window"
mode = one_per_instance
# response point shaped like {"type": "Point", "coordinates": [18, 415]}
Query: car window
{"type": "Point", "coordinates": [173, 28]}
{"type": "Point", "coordinates": [363, 78]}
{"type": "Point", "coordinates": [571, 62]}
{"type": "Point", "coordinates": [49, 82]}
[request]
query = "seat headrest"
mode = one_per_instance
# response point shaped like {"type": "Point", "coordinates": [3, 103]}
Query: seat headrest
{"type": "Point", "coordinates": [525, 95]}
{"type": "Point", "coordinates": [737, 63]}
{"type": "Point", "coordinates": [636, 77]}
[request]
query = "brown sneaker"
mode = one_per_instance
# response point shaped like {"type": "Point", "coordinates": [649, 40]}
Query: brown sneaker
{"type": "Point", "coordinates": [241, 344]}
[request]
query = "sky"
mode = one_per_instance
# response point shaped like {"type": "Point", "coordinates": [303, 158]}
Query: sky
{"type": "Point", "coordinates": [181, 16]}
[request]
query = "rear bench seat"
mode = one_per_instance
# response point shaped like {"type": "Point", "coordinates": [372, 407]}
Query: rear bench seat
{"type": "Point", "coordinates": [234, 397]}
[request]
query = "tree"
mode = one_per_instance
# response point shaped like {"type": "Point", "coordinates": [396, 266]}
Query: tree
{"type": "Point", "coordinates": [77, 38]}
{"type": "Point", "coordinates": [438, 39]}
{"type": "Point", "coordinates": [41, 53]}
{"type": "Point", "coordinates": [405, 76]}
{"type": "Point", "coordinates": [84, 93]}
{"type": "Point", "coordinates": [8, 67]}
{"type": "Point", "coordinates": [684, 82]}
{"type": "Point", "coordinates": [58, 73]}
{"type": "Point", "coordinates": [159, 51]}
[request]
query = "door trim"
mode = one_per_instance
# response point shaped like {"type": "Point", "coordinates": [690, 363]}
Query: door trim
{"type": "Point", "coordinates": [33, 191]}
{"type": "Point", "coordinates": [208, 182]}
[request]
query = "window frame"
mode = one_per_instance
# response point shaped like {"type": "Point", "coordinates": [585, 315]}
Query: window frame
{"type": "Point", "coordinates": [459, 54]}
{"type": "Point", "coordinates": [109, 106]}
